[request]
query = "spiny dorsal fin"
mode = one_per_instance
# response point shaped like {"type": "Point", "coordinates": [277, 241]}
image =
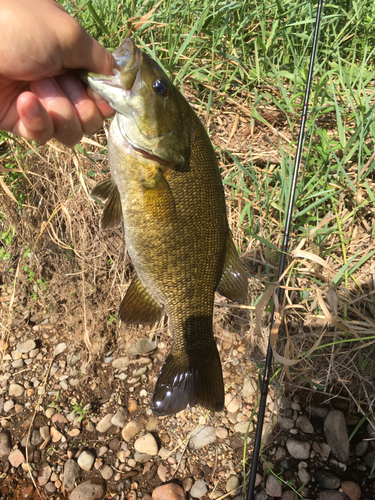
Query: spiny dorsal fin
{"type": "Point", "coordinates": [233, 283]}
{"type": "Point", "coordinates": [139, 306]}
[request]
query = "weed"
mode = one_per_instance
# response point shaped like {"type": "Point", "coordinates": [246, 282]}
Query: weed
{"type": "Point", "coordinates": [81, 411]}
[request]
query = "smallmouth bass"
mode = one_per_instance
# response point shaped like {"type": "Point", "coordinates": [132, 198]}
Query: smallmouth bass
{"type": "Point", "coordinates": [166, 188]}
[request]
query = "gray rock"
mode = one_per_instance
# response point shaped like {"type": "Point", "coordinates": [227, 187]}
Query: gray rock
{"type": "Point", "coordinates": [361, 448]}
{"type": "Point", "coordinates": [285, 423]}
{"type": "Point", "coordinates": [337, 435]}
{"type": "Point", "coordinates": [107, 472]}
{"type": "Point", "coordinates": [50, 487]}
{"type": "Point", "coordinates": [327, 480]}
{"type": "Point", "coordinates": [304, 476]}
{"type": "Point", "coordinates": [5, 445]}
{"type": "Point", "coordinates": [280, 454]}
{"type": "Point", "coordinates": [26, 347]}
{"type": "Point", "coordinates": [35, 438]}
{"type": "Point", "coordinates": [86, 460]}
{"type": "Point", "coordinates": [93, 489]}
{"type": "Point", "coordinates": [262, 495]}
{"type": "Point", "coordinates": [202, 437]}
{"type": "Point", "coordinates": [121, 363]}
{"type": "Point", "coordinates": [199, 489]}
{"type": "Point", "coordinates": [143, 346]}
{"type": "Point", "coordinates": [289, 495]}
{"type": "Point", "coordinates": [105, 423]}
{"type": "Point", "coordinates": [146, 444]}
{"type": "Point", "coordinates": [8, 405]}
{"type": "Point", "coordinates": [370, 459]}
{"type": "Point", "coordinates": [332, 495]}
{"type": "Point", "coordinates": [142, 457]}
{"type": "Point", "coordinates": [304, 424]}
{"type": "Point", "coordinates": [273, 487]}
{"type": "Point", "coordinates": [44, 475]}
{"type": "Point", "coordinates": [16, 390]}
{"type": "Point", "coordinates": [102, 451]}
{"type": "Point", "coordinates": [298, 449]}
{"type": "Point", "coordinates": [119, 418]}
{"type": "Point", "coordinates": [71, 474]}
{"type": "Point", "coordinates": [243, 427]}
{"type": "Point", "coordinates": [17, 363]}
{"type": "Point", "coordinates": [233, 482]}
{"type": "Point", "coordinates": [318, 411]}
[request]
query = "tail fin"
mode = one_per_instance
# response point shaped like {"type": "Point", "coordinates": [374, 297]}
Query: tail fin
{"type": "Point", "coordinates": [184, 381]}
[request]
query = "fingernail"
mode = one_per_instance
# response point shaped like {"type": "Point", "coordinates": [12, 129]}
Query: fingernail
{"type": "Point", "coordinates": [32, 111]}
{"type": "Point", "coordinates": [46, 89]}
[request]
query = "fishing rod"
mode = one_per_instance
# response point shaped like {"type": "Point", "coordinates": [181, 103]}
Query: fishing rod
{"type": "Point", "coordinates": [284, 247]}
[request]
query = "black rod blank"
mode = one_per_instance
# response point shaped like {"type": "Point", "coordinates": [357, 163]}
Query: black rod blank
{"type": "Point", "coordinates": [284, 247]}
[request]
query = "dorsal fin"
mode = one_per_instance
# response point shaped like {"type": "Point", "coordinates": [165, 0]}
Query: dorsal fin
{"type": "Point", "coordinates": [233, 283]}
{"type": "Point", "coordinates": [112, 213]}
{"type": "Point", "coordinates": [139, 306]}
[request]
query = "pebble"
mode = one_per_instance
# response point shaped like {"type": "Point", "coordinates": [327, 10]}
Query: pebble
{"type": "Point", "coordinates": [250, 387]}
{"type": "Point", "coordinates": [8, 405]}
{"type": "Point", "coordinates": [285, 423]}
{"type": "Point", "coordinates": [119, 418]}
{"type": "Point", "coordinates": [105, 423]}
{"type": "Point", "coordinates": [370, 459]}
{"type": "Point", "coordinates": [86, 460]}
{"type": "Point", "coordinates": [152, 424]}
{"type": "Point", "coordinates": [107, 472]}
{"type": "Point", "coordinates": [304, 476]}
{"type": "Point", "coordinates": [221, 432]}
{"type": "Point", "coordinates": [163, 473]}
{"type": "Point", "coordinates": [121, 363]}
{"type": "Point", "coordinates": [143, 346]}
{"type": "Point", "coordinates": [202, 437]}
{"type": "Point", "coordinates": [298, 449]}
{"type": "Point", "coordinates": [199, 489]}
{"type": "Point", "coordinates": [327, 480]}
{"type": "Point", "coordinates": [71, 474]}
{"type": "Point", "coordinates": [50, 487]}
{"type": "Point", "coordinates": [5, 445]}
{"type": "Point", "coordinates": [361, 448]}
{"type": "Point", "coordinates": [262, 495]}
{"type": "Point", "coordinates": [280, 454]}
{"type": "Point", "coordinates": [16, 390]}
{"type": "Point", "coordinates": [273, 487]}
{"type": "Point", "coordinates": [232, 403]}
{"type": "Point", "coordinates": [102, 451]}
{"type": "Point", "coordinates": [142, 457]}
{"type": "Point", "coordinates": [289, 495]}
{"type": "Point", "coordinates": [351, 489]}
{"type": "Point", "coordinates": [332, 495]}
{"type": "Point", "coordinates": [16, 458]}
{"type": "Point", "coordinates": [337, 435]}
{"type": "Point", "coordinates": [232, 483]}
{"type": "Point", "coordinates": [187, 483]}
{"type": "Point", "coordinates": [243, 427]}
{"type": "Point", "coordinates": [304, 424]}
{"type": "Point", "coordinates": [170, 491]}
{"type": "Point", "coordinates": [56, 435]}
{"type": "Point", "coordinates": [26, 347]}
{"type": "Point", "coordinates": [318, 411]}
{"type": "Point", "coordinates": [44, 475]}
{"type": "Point", "coordinates": [60, 348]}
{"type": "Point", "coordinates": [146, 444]}
{"type": "Point", "coordinates": [93, 489]}
{"type": "Point", "coordinates": [131, 429]}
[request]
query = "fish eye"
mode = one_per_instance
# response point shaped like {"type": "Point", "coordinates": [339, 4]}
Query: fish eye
{"type": "Point", "coordinates": [161, 87]}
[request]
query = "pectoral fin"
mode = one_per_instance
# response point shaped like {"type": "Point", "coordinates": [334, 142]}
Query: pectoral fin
{"type": "Point", "coordinates": [112, 213]}
{"type": "Point", "coordinates": [158, 196]}
{"type": "Point", "coordinates": [139, 306]}
{"type": "Point", "coordinates": [233, 283]}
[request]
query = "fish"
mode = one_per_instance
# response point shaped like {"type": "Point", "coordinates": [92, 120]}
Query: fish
{"type": "Point", "coordinates": [166, 191]}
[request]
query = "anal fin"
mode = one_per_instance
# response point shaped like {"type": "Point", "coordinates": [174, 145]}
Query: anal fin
{"type": "Point", "coordinates": [139, 306]}
{"type": "Point", "coordinates": [233, 283]}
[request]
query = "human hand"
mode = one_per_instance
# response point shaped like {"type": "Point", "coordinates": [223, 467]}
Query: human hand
{"type": "Point", "coordinates": [40, 97]}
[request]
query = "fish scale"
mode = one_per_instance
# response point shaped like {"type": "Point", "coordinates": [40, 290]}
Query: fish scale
{"type": "Point", "coordinates": [166, 179]}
